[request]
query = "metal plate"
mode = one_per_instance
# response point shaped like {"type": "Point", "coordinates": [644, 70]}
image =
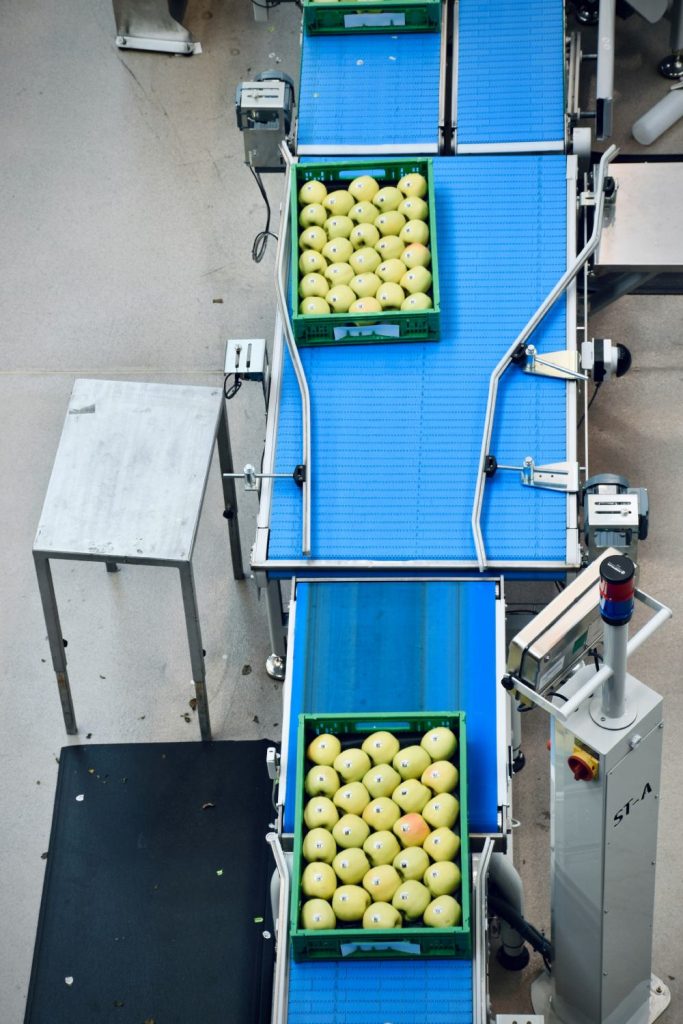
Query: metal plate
{"type": "Point", "coordinates": [644, 228]}
{"type": "Point", "coordinates": [130, 472]}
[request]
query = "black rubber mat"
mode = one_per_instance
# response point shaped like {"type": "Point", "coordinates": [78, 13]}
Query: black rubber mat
{"type": "Point", "coordinates": [156, 904]}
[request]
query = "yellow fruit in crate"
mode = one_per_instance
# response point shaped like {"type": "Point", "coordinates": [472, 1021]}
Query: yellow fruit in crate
{"type": "Point", "coordinates": [320, 812]}
{"type": "Point", "coordinates": [414, 231]}
{"type": "Point", "coordinates": [413, 185]}
{"type": "Point", "coordinates": [341, 227]}
{"type": "Point", "coordinates": [339, 201]}
{"type": "Point", "coordinates": [411, 829]}
{"type": "Point", "coordinates": [321, 780]}
{"type": "Point", "coordinates": [364, 235]}
{"type": "Point", "coordinates": [368, 304]}
{"type": "Point", "coordinates": [313, 306]}
{"type": "Point", "coordinates": [417, 301]}
{"type": "Point", "coordinates": [443, 912]}
{"type": "Point", "coordinates": [351, 866]}
{"type": "Point", "coordinates": [323, 749]}
{"type": "Point", "coordinates": [339, 273]}
{"type": "Point", "coordinates": [350, 831]}
{"type": "Point", "coordinates": [442, 811]}
{"type": "Point", "coordinates": [353, 797]}
{"type": "Point", "coordinates": [442, 844]}
{"type": "Point", "coordinates": [441, 777]}
{"type": "Point", "coordinates": [412, 899]}
{"type": "Point", "coordinates": [411, 762]}
{"type": "Point", "coordinates": [381, 848]}
{"type": "Point", "coordinates": [319, 844]}
{"type": "Point", "coordinates": [411, 863]}
{"type": "Point", "coordinates": [382, 916]}
{"type": "Point", "coordinates": [415, 255]}
{"type": "Point", "coordinates": [350, 902]}
{"type": "Point", "coordinates": [365, 260]}
{"type": "Point", "coordinates": [352, 764]}
{"type": "Point", "coordinates": [390, 247]}
{"type": "Point", "coordinates": [338, 250]}
{"type": "Point", "coordinates": [312, 262]}
{"type": "Point", "coordinates": [313, 284]}
{"type": "Point", "coordinates": [411, 795]}
{"type": "Point", "coordinates": [388, 198]}
{"type": "Point", "coordinates": [318, 880]}
{"type": "Point", "coordinates": [381, 746]}
{"type": "Point", "coordinates": [381, 780]}
{"type": "Point", "coordinates": [391, 270]}
{"type": "Point", "coordinates": [390, 295]}
{"type": "Point", "coordinates": [442, 878]}
{"type": "Point", "coordinates": [364, 285]}
{"type": "Point", "coordinates": [364, 187]}
{"type": "Point", "coordinates": [381, 813]}
{"type": "Point", "coordinates": [363, 213]}
{"type": "Point", "coordinates": [390, 223]}
{"type": "Point", "coordinates": [414, 208]}
{"type": "Point", "coordinates": [312, 192]}
{"type": "Point", "coordinates": [313, 214]}
{"type": "Point", "coordinates": [340, 298]}
{"type": "Point", "coordinates": [381, 882]}
{"type": "Point", "coordinates": [416, 279]}
{"type": "Point", "coordinates": [440, 743]}
{"type": "Point", "coordinates": [317, 914]}
{"type": "Point", "coordinates": [313, 238]}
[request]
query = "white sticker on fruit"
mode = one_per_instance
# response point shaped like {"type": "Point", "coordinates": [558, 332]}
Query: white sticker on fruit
{"type": "Point", "coordinates": [69, 980]}
{"type": "Point", "coordinates": [376, 330]}
{"type": "Point", "coordinates": [379, 20]}
{"type": "Point", "coordinates": [80, 798]}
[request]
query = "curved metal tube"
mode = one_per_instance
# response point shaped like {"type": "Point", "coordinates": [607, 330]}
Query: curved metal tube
{"type": "Point", "coordinates": [280, 979]}
{"type": "Point", "coordinates": [281, 292]}
{"type": "Point", "coordinates": [522, 338]}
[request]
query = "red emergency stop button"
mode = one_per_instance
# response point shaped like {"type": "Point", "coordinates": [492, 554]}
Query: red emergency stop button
{"type": "Point", "coordinates": [583, 765]}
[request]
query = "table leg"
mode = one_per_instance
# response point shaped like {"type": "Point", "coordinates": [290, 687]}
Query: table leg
{"type": "Point", "coordinates": [194, 637]}
{"type": "Point", "coordinates": [276, 661]}
{"type": "Point", "coordinates": [229, 494]}
{"type": "Point", "coordinates": [112, 567]}
{"type": "Point", "coordinates": [55, 639]}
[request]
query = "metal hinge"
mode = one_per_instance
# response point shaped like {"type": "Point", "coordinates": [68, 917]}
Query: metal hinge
{"type": "Point", "coordinates": [273, 764]}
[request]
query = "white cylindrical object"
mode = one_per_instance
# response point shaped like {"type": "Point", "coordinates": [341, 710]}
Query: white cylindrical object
{"type": "Point", "coordinates": [615, 639]}
{"type": "Point", "coordinates": [659, 118]}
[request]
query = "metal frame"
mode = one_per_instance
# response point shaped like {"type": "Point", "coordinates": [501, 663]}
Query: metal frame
{"type": "Point", "coordinates": [562, 713]}
{"type": "Point", "coordinates": [480, 869]}
{"type": "Point", "coordinates": [521, 339]}
{"type": "Point", "coordinates": [454, 76]}
{"type": "Point", "coordinates": [56, 639]}
{"type": "Point", "coordinates": [573, 541]}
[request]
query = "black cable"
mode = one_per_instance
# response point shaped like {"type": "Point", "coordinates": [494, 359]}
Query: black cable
{"type": "Point", "coordinates": [503, 909]}
{"type": "Point", "coordinates": [555, 693]}
{"type": "Point", "coordinates": [231, 391]}
{"type": "Point", "coordinates": [258, 249]}
{"type": "Point", "coordinates": [593, 397]}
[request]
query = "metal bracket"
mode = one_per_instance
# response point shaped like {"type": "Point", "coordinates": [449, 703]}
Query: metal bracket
{"type": "Point", "coordinates": [251, 477]}
{"type": "Point", "coordinates": [555, 476]}
{"type": "Point", "coordinates": [273, 764]}
{"type": "Point", "coordinates": [563, 364]}
{"type": "Point", "coordinates": [246, 357]}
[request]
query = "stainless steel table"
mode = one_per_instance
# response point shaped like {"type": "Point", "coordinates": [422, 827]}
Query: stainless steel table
{"type": "Point", "coordinates": [128, 485]}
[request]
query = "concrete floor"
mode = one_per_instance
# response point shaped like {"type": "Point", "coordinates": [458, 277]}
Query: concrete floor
{"type": "Point", "coordinates": [126, 226]}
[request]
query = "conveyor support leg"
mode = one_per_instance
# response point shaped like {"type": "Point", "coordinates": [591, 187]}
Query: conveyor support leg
{"type": "Point", "coordinates": [513, 954]}
{"type": "Point", "coordinates": [275, 663]}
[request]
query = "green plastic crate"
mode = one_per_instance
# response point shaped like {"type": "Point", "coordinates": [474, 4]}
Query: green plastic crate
{"type": "Point", "coordinates": [377, 16]}
{"type": "Point", "coordinates": [349, 941]}
{"type": "Point", "coordinates": [363, 328]}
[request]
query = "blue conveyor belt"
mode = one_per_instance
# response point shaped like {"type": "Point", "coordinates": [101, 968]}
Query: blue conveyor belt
{"type": "Point", "coordinates": [401, 646]}
{"type": "Point", "coordinates": [357, 89]}
{"type": "Point", "coordinates": [381, 991]}
{"type": "Point", "coordinates": [510, 73]}
{"type": "Point", "coordinates": [396, 429]}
